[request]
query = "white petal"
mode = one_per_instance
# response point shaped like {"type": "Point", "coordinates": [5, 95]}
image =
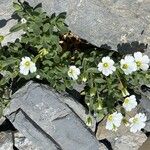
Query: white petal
{"type": "Point", "coordinates": [113, 68]}
{"type": "Point", "coordinates": [106, 72]}
{"type": "Point", "coordinates": [32, 67]}
{"type": "Point", "coordinates": [138, 55]}
{"type": "Point", "coordinates": [74, 77]}
{"type": "Point", "coordinates": [77, 71]}
{"type": "Point", "coordinates": [109, 125]}
{"type": "Point", "coordinates": [129, 58]}
{"type": "Point", "coordinates": [24, 71]}
{"type": "Point", "coordinates": [100, 67]}
{"type": "Point", "coordinates": [144, 67]}
{"type": "Point", "coordinates": [133, 130]}
{"type": "Point", "coordinates": [145, 59]}
{"type": "Point", "coordinates": [105, 59]}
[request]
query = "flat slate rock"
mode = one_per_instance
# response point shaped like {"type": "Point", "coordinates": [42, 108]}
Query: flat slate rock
{"type": "Point", "coordinates": [38, 113]}
{"type": "Point", "coordinates": [113, 24]}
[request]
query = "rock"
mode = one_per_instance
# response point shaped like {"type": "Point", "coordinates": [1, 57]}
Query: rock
{"type": "Point", "coordinates": [145, 145]}
{"type": "Point", "coordinates": [7, 21]}
{"type": "Point", "coordinates": [38, 113]}
{"type": "Point", "coordinates": [130, 141]}
{"type": "Point", "coordinates": [22, 143]}
{"type": "Point", "coordinates": [112, 24]}
{"type": "Point", "coordinates": [78, 109]}
{"type": "Point", "coordinates": [6, 141]}
{"type": "Point", "coordinates": [145, 108]}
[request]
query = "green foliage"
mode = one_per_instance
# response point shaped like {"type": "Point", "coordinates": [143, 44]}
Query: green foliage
{"type": "Point", "coordinates": [40, 42]}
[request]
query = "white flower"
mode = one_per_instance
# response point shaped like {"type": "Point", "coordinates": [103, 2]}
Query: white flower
{"type": "Point", "coordinates": [137, 122]}
{"type": "Point", "coordinates": [106, 66]}
{"type": "Point", "coordinates": [142, 61]}
{"type": "Point", "coordinates": [114, 121]}
{"type": "Point", "coordinates": [27, 65]}
{"type": "Point", "coordinates": [23, 20]}
{"type": "Point", "coordinates": [128, 65]}
{"type": "Point", "coordinates": [73, 72]}
{"type": "Point", "coordinates": [130, 103]}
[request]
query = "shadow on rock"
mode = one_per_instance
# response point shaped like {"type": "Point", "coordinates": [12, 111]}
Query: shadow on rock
{"type": "Point", "coordinates": [3, 22]}
{"type": "Point", "coordinates": [130, 48]}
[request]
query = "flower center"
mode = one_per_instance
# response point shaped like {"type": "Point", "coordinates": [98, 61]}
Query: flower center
{"type": "Point", "coordinates": [138, 63]}
{"type": "Point", "coordinates": [110, 117]}
{"type": "Point", "coordinates": [72, 72]}
{"type": "Point", "coordinates": [27, 63]}
{"type": "Point", "coordinates": [125, 66]}
{"type": "Point", "coordinates": [105, 65]}
{"type": "Point", "coordinates": [126, 101]}
{"type": "Point", "coordinates": [135, 120]}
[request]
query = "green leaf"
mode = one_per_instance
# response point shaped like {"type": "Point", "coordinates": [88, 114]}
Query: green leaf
{"type": "Point", "coordinates": [92, 70]}
{"type": "Point", "coordinates": [62, 27]}
{"type": "Point", "coordinates": [46, 27]}
{"type": "Point", "coordinates": [65, 55]}
{"type": "Point", "coordinates": [62, 15]}
{"type": "Point", "coordinates": [56, 59]}
{"type": "Point", "coordinates": [99, 80]}
{"type": "Point", "coordinates": [16, 27]}
{"type": "Point", "coordinates": [47, 62]}
{"type": "Point", "coordinates": [17, 6]}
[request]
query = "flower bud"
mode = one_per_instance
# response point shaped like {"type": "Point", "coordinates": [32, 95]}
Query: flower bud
{"type": "Point", "coordinates": [1, 38]}
{"type": "Point", "coordinates": [84, 79]}
{"type": "Point", "coordinates": [38, 76]}
{"type": "Point", "coordinates": [93, 91]}
{"type": "Point", "coordinates": [89, 121]}
{"type": "Point", "coordinates": [125, 92]}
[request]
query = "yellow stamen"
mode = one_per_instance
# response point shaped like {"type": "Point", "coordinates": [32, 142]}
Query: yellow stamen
{"type": "Point", "coordinates": [138, 63]}
{"type": "Point", "coordinates": [126, 101]}
{"type": "Point", "coordinates": [125, 66]}
{"type": "Point", "coordinates": [105, 65]}
{"type": "Point", "coordinates": [135, 120]}
{"type": "Point", "coordinates": [27, 63]}
{"type": "Point", "coordinates": [110, 117]}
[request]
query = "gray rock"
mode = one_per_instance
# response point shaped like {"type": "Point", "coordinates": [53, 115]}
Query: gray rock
{"type": "Point", "coordinates": [78, 109]}
{"type": "Point", "coordinates": [105, 23]}
{"type": "Point", "coordinates": [145, 108]}
{"type": "Point", "coordinates": [22, 143]}
{"type": "Point", "coordinates": [39, 114]}
{"type": "Point", "coordinates": [130, 141]}
{"type": "Point", "coordinates": [6, 141]}
{"type": "Point", "coordinates": [145, 145]}
{"type": "Point", "coordinates": [7, 21]}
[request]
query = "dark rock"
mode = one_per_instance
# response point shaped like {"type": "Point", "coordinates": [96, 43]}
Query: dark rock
{"type": "Point", "coordinates": [39, 114]}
